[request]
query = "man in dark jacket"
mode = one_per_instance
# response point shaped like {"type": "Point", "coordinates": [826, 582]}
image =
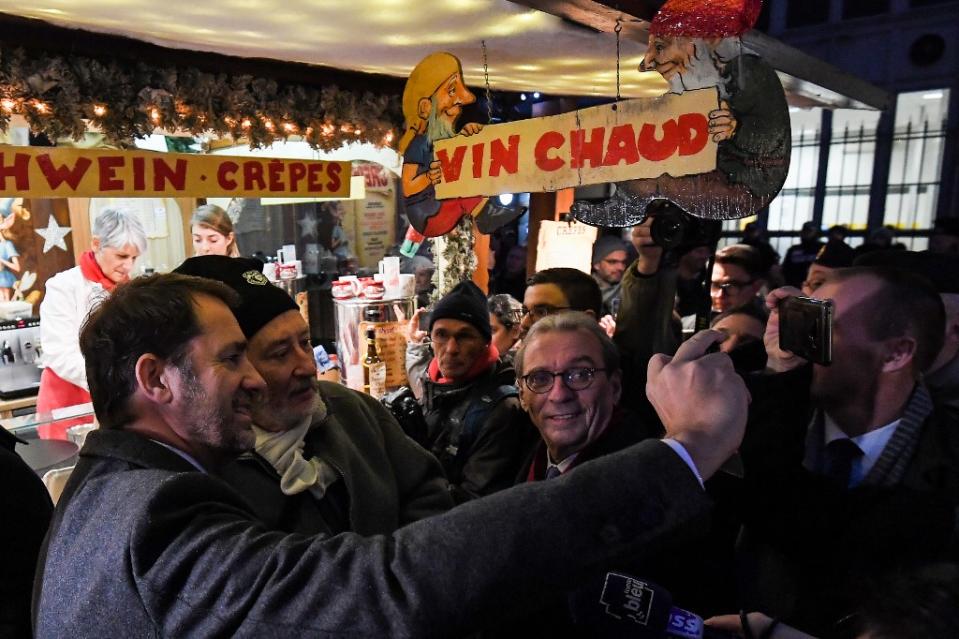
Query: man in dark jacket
{"type": "Point", "coordinates": [26, 508]}
{"type": "Point", "coordinates": [148, 541]}
{"type": "Point", "coordinates": [850, 471]}
{"type": "Point", "coordinates": [328, 459]}
{"type": "Point", "coordinates": [474, 422]}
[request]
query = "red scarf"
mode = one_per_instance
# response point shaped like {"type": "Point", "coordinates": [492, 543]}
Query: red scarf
{"type": "Point", "coordinates": [480, 366]}
{"type": "Point", "coordinates": [91, 270]}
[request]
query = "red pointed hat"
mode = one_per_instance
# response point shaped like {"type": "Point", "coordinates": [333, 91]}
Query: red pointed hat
{"type": "Point", "coordinates": [705, 18]}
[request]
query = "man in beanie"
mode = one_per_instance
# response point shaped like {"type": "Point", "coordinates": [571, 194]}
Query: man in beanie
{"type": "Point", "coordinates": [609, 264]}
{"type": "Point", "coordinates": [328, 459]}
{"type": "Point", "coordinates": [475, 424]}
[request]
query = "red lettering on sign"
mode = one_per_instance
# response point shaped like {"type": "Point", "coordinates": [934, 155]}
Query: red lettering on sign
{"type": "Point", "coordinates": [108, 167]}
{"type": "Point", "coordinates": [57, 175]}
{"type": "Point", "coordinates": [582, 150]}
{"type": "Point", "coordinates": [297, 173]}
{"type": "Point", "coordinates": [253, 172]}
{"type": "Point", "coordinates": [163, 173]}
{"type": "Point", "coordinates": [693, 133]}
{"type": "Point", "coordinates": [333, 171]}
{"type": "Point", "coordinates": [275, 171]}
{"type": "Point", "coordinates": [139, 174]}
{"type": "Point", "coordinates": [547, 142]}
{"type": "Point", "coordinates": [501, 157]}
{"type": "Point", "coordinates": [622, 146]}
{"type": "Point", "coordinates": [451, 170]}
{"type": "Point", "coordinates": [478, 160]}
{"type": "Point", "coordinates": [655, 149]}
{"type": "Point", "coordinates": [19, 171]}
{"type": "Point", "coordinates": [314, 173]}
{"type": "Point", "coordinates": [225, 173]}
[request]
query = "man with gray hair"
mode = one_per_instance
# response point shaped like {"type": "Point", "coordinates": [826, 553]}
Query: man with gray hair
{"type": "Point", "coordinates": [118, 240]}
{"type": "Point", "coordinates": [576, 415]}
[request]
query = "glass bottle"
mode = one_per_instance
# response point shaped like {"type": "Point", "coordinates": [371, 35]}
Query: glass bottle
{"type": "Point", "coordinates": [374, 368]}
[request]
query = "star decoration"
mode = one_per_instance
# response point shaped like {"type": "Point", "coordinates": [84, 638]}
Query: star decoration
{"type": "Point", "coordinates": [308, 224]}
{"type": "Point", "coordinates": [53, 235]}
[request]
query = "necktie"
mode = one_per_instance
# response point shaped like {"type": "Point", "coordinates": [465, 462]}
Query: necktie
{"type": "Point", "coordinates": [838, 460]}
{"type": "Point", "coordinates": [553, 471]}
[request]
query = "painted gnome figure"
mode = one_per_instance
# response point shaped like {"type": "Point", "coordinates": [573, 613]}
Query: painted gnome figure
{"type": "Point", "coordinates": [695, 44]}
{"type": "Point", "coordinates": [433, 100]}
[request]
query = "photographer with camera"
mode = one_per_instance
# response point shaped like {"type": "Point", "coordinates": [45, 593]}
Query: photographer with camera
{"type": "Point", "coordinates": [647, 323]}
{"type": "Point", "coordinates": [849, 469]}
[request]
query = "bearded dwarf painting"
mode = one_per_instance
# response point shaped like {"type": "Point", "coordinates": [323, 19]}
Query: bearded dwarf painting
{"type": "Point", "coordinates": [695, 44]}
{"type": "Point", "coordinates": [433, 101]}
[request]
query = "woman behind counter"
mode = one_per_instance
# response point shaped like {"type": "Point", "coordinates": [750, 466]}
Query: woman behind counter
{"type": "Point", "coordinates": [212, 231]}
{"type": "Point", "coordinates": [118, 240]}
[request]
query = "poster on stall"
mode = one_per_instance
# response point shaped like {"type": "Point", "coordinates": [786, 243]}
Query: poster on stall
{"type": "Point", "coordinates": [374, 229]}
{"type": "Point", "coordinates": [565, 244]}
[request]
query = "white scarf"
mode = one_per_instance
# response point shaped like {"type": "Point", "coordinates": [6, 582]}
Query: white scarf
{"type": "Point", "coordinates": [284, 451]}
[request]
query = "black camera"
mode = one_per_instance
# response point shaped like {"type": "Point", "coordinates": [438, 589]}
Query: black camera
{"type": "Point", "coordinates": [403, 405]}
{"type": "Point", "coordinates": [672, 227]}
{"type": "Point", "coordinates": [608, 205]}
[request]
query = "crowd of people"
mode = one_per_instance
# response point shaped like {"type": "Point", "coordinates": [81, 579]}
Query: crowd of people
{"type": "Point", "coordinates": [587, 428]}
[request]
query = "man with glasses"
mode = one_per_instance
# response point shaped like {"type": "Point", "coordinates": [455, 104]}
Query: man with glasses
{"type": "Point", "coordinates": [559, 289]}
{"type": "Point", "coordinates": [570, 383]}
{"type": "Point", "coordinates": [474, 423]}
{"type": "Point", "coordinates": [738, 276]}
{"type": "Point", "coordinates": [568, 373]}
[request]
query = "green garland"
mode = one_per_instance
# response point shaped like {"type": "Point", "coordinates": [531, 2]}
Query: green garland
{"type": "Point", "coordinates": [62, 96]}
{"type": "Point", "coordinates": [457, 259]}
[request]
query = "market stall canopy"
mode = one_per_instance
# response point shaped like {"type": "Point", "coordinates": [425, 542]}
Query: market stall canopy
{"type": "Point", "coordinates": [540, 47]}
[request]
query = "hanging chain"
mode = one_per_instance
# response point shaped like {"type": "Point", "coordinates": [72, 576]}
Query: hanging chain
{"type": "Point", "coordinates": [618, 29]}
{"type": "Point", "coordinates": [489, 95]}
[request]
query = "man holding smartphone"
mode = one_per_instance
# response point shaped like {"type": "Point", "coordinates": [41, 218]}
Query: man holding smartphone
{"type": "Point", "coordinates": [850, 470]}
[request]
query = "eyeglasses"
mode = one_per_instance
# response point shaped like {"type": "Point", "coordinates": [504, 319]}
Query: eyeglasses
{"type": "Point", "coordinates": [539, 311]}
{"type": "Point", "coordinates": [576, 379]}
{"type": "Point", "coordinates": [728, 288]}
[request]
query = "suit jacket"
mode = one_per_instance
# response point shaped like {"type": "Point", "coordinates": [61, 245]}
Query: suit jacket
{"type": "Point", "coordinates": [143, 545]}
{"type": "Point", "coordinates": [808, 547]}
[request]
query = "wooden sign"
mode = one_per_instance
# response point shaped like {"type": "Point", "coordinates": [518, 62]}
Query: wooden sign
{"type": "Point", "coordinates": [43, 172]}
{"type": "Point", "coordinates": [633, 139]}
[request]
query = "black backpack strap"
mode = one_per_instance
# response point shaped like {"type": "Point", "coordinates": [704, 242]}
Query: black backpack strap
{"type": "Point", "coordinates": [467, 421]}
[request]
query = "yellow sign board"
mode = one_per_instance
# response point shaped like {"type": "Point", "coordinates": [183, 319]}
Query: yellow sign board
{"type": "Point", "coordinates": [629, 140]}
{"type": "Point", "coordinates": [40, 172]}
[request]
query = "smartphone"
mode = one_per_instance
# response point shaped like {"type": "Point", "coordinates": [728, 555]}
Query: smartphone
{"type": "Point", "coordinates": [805, 328]}
{"type": "Point", "coordinates": [425, 321]}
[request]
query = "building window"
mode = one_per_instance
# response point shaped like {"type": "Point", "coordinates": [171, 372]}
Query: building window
{"type": "Point", "coordinates": [802, 13]}
{"type": "Point", "coordinates": [864, 8]}
{"type": "Point", "coordinates": [852, 153]}
{"type": "Point", "coordinates": [794, 204]}
{"type": "Point", "coordinates": [916, 164]}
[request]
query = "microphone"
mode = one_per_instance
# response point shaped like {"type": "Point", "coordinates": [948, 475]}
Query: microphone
{"type": "Point", "coordinates": [634, 608]}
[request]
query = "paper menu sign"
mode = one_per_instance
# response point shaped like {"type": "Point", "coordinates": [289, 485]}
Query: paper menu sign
{"type": "Point", "coordinates": [565, 244]}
